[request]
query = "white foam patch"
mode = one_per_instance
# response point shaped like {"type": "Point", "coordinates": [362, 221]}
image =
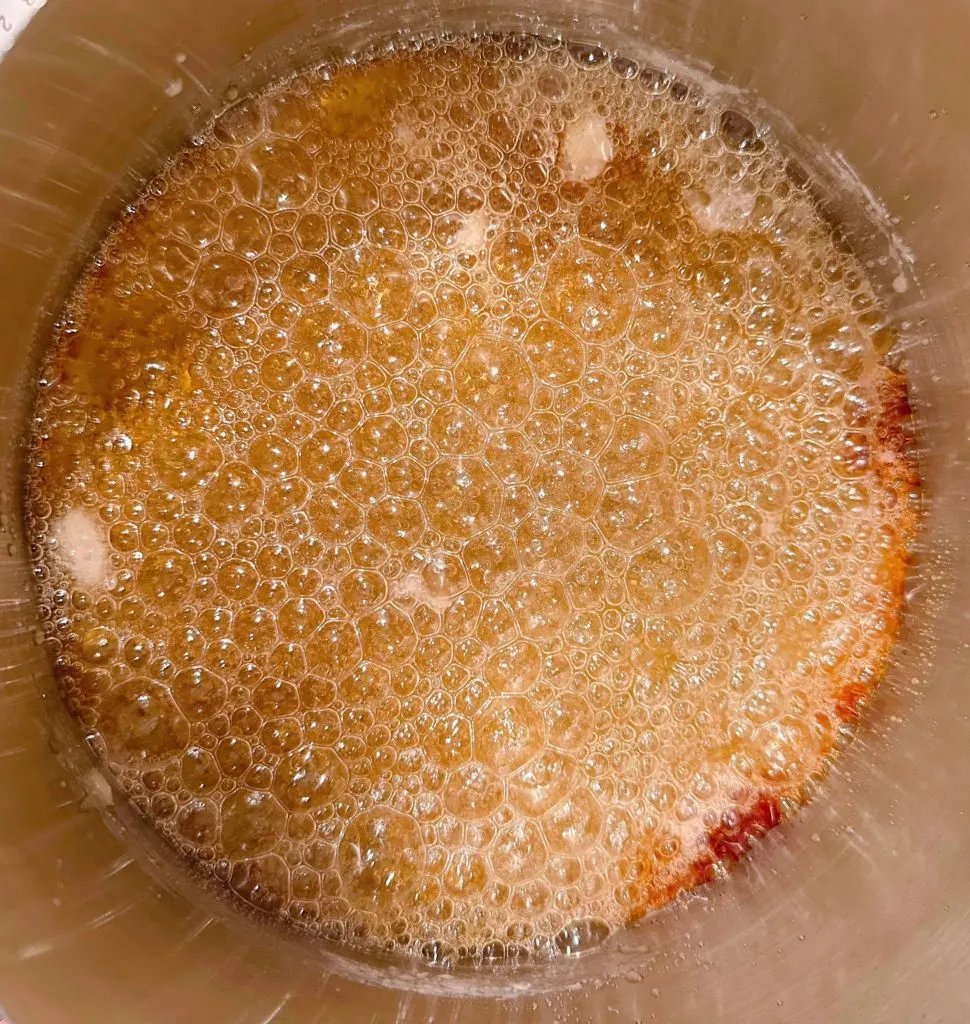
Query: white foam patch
{"type": "Point", "coordinates": [97, 792]}
{"type": "Point", "coordinates": [405, 134]}
{"type": "Point", "coordinates": [586, 148]}
{"type": "Point", "coordinates": [725, 211]}
{"type": "Point", "coordinates": [471, 237]}
{"type": "Point", "coordinates": [412, 589]}
{"type": "Point", "coordinates": [429, 585]}
{"type": "Point", "coordinates": [82, 548]}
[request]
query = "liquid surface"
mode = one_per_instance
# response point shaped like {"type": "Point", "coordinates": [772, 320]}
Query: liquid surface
{"type": "Point", "coordinates": [467, 499]}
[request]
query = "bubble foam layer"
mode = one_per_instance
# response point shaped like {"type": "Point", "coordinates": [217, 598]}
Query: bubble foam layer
{"type": "Point", "coordinates": [467, 497]}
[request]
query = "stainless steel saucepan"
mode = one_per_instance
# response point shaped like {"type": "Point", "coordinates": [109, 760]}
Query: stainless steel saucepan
{"type": "Point", "coordinates": [858, 912]}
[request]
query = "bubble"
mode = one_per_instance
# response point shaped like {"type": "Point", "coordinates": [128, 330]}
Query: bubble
{"type": "Point", "coordinates": [280, 372]}
{"type": "Point", "coordinates": [273, 697]}
{"type": "Point", "coordinates": [299, 618]}
{"type": "Point", "coordinates": [838, 348]}
{"type": "Point", "coordinates": [252, 823]}
{"type": "Point", "coordinates": [386, 229]}
{"type": "Point", "coordinates": [173, 265]}
{"type": "Point", "coordinates": [380, 438]}
{"type": "Point", "coordinates": [254, 629]}
{"type": "Point", "coordinates": [381, 857]}
{"type": "Point", "coordinates": [509, 455]}
{"type": "Point", "coordinates": [518, 852]}
{"type": "Point", "coordinates": [606, 222]}
{"type": "Point", "coordinates": [549, 540]}
{"type": "Point", "coordinates": [462, 496]}
{"type": "Point", "coordinates": [540, 785]}
{"type": "Point", "coordinates": [633, 513]}
{"type": "Point", "coordinates": [540, 606]}
{"type": "Point", "coordinates": [587, 429]}
{"type": "Point", "coordinates": [513, 668]}
{"type": "Point", "coordinates": [636, 449]}
{"type": "Point", "coordinates": [557, 356]}
{"type": "Point", "coordinates": [165, 576]}
{"type": "Point", "coordinates": [648, 258]}
{"type": "Point", "coordinates": [262, 882]}
{"type": "Point", "coordinates": [323, 456]}
{"type": "Point", "coordinates": [574, 824]}
{"type": "Point", "coordinates": [141, 723]}
{"type": "Point", "coordinates": [200, 771]}
{"type": "Point", "coordinates": [568, 483]}
{"type": "Point", "coordinates": [466, 874]}
{"type": "Point", "coordinates": [593, 300]}
{"type": "Point", "coordinates": [273, 457]}
{"type": "Point", "coordinates": [492, 560]}
{"type": "Point", "coordinates": [198, 822]}
{"type": "Point", "coordinates": [782, 748]}
{"type": "Point", "coordinates": [493, 380]}
{"type": "Point", "coordinates": [581, 936]}
{"type": "Point", "coordinates": [305, 278]}
{"type": "Point", "coordinates": [358, 195]}
{"type": "Point", "coordinates": [507, 733]}
{"type": "Point", "coordinates": [569, 721]}
{"type": "Point", "coordinates": [511, 256]}
{"type": "Point", "coordinates": [287, 114]}
{"type": "Point", "coordinates": [308, 778]}
{"type": "Point", "coordinates": [186, 459]}
{"type": "Point", "coordinates": [473, 792]}
{"type": "Point", "coordinates": [245, 232]}
{"type": "Point", "coordinates": [375, 285]}
{"type": "Point", "coordinates": [496, 625]}
{"type": "Point", "coordinates": [233, 494]}
{"type": "Point", "coordinates": [334, 649]}
{"type": "Point", "coordinates": [730, 556]}
{"type": "Point", "coordinates": [784, 373]}
{"type": "Point", "coordinates": [661, 322]}
{"type": "Point", "coordinates": [313, 397]}
{"type": "Point", "coordinates": [225, 285]}
{"type": "Point", "coordinates": [328, 341]}
{"type": "Point", "coordinates": [199, 693]}
{"type": "Point", "coordinates": [450, 741]}
{"type": "Point", "coordinates": [397, 523]}
{"type": "Point", "coordinates": [347, 230]}
{"type": "Point", "coordinates": [455, 431]}
{"type": "Point", "coordinates": [99, 645]}
{"type": "Point", "coordinates": [753, 446]}
{"type": "Point", "coordinates": [276, 175]}
{"type": "Point", "coordinates": [739, 133]}
{"type": "Point", "coordinates": [387, 636]}
{"type": "Point", "coordinates": [240, 124]}
{"type": "Point", "coordinates": [671, 573]}
{"type": "Point", "coordinates": [394, 347]}
{"type": "Point", "coordinates": [234, 756]}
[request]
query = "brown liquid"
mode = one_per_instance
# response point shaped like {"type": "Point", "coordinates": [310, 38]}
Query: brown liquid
{"type": "Point", "coordinates": [465, 494]}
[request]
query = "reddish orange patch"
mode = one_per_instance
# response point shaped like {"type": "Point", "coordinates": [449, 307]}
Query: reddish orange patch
{"type": "Point", "coordinates": [731, 843]}
{"type": "Point", "coordinates": [849, 701]}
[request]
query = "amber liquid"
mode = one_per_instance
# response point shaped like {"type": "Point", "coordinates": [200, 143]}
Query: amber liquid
{"type": "Point", "coordinates": [465, 494]}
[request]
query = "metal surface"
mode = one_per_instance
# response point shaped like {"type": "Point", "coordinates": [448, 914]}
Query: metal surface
{"type": "Point", "coordinates": [859, 910]}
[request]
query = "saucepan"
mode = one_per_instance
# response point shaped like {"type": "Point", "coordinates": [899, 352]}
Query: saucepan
{"type": "Point", "coordinates": [855, 912]}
